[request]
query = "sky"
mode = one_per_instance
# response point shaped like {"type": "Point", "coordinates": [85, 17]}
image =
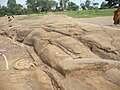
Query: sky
{"type": "Point", "coordinates": [3, 2]}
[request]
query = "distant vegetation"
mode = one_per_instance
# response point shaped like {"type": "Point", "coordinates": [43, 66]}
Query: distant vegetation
{"type": "Point", "coordinates": [90, 13]}
{"type": "Point", "coordinates": [79, 14]}
{"type": "Point", "coordinates": [89, 7]}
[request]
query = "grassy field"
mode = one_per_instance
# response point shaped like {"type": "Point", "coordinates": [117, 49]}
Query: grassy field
{"type": "Point", "coordinates": [90, 13]}
{"type": "Point", "coordinates": [79, 14]}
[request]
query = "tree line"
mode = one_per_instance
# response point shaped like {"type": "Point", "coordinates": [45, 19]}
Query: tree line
{"type": "Point", "coordinates": [36, 6]}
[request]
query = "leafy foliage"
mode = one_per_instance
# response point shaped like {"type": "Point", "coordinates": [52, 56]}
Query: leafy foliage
{"type": "Point", "coordinates": [103, 5]}
{"type": "Point", "coordinates": [11, 3]}
{"type": "Point", "coordinates": [72, 6]}
{"type": "Point", "coordinates": [113, 3]}
{"type": "Point", "coordinates": [87, 4]}
{"type": "Point", "coordinates": [63, 4]}
{"type": "Point", "coordinates": [40, 5]}
{"type": "Point", "coordinates": [13, 8]}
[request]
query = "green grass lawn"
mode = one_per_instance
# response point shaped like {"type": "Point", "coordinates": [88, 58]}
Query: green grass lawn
{"type": "Point", "coordinates": [90, 13]}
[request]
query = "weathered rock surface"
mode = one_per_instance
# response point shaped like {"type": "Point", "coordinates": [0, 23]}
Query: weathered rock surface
{"type": "Point", "coordinates": [113, 75]}
{"type": "Point", "coordinates": [59, 54]}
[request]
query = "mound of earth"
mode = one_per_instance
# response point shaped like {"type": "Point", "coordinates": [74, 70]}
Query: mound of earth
{"type": "Point", "coordinates": [56, 52]}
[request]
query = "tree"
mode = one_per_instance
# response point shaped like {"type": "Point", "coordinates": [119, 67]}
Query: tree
{"type": "Point", "coordinates": [11, 3]}
{"type": "Point", "coordinates": [58, 7]}
{"type": "Point", "coordinates": [31, 5]}
{"type": "Point", "coordinates": [113, 3]}
{"type": "Point", "coordinates": [72, 6]}
{"type": "Point", "coordinates": [46, 5]}
{"type": "Point", "coordinates": [3, 11]}
{"type": "Point", "coordinates": [17, 10]}
{"type": "Point", "coordinates": [14, 8]}
{"type": "Point", "coordinates": [40, 5]}
{"type": "Point", "coordinates": [0, 11]}
{"type": "Point", "coordinates": [95, 5]}
{"type": "Point", "coordinates": [83, 6]}
{"type": "Point", "coordinates": [63, 4]}
{"type": "Point", "coordinates": [103, 5]}
{"type": "Point", "coordinates": [54, 4]}
{"type": "Point", "coordinates": [87, 4]}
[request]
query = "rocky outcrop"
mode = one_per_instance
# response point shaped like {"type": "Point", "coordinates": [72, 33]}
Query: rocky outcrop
{"type": "Point", "coordinates": [60, 56]}
{"type": "Point", "coordinates": [113, 76]}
